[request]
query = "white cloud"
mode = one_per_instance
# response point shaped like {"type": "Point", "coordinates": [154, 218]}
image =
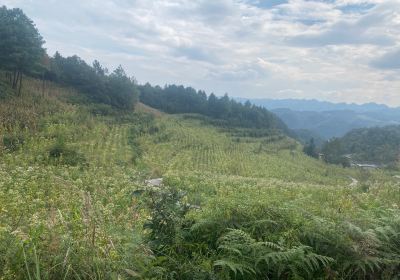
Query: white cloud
{"type": "Point", "coordinates": [252, 48]}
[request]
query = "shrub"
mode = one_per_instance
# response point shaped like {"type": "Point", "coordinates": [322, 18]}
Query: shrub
{"type": "Point", "coordinates": [5, 91]}
{"type": "Point", "coordinates": [102, 110]}
{"type": "Point", "coordinates": [13, 142]}
{"type": "Point", "coordinates": [61, 154]}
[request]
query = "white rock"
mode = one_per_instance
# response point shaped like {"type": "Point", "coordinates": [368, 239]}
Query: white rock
{"type": "Point", "coordinates": [154, 182]}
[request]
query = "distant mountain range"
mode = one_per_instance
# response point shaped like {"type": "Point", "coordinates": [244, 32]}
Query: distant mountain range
{"type": "Point", "coordinates": [326, 119]}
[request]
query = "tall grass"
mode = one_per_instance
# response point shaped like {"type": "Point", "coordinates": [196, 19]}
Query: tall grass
{"type": "Point", "coordinates": [232, 206]}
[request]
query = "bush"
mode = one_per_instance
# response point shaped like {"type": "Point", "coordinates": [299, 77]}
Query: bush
{"type": "Point", "coordinates": [61, 154]}
{"type": "Point", "coordinates": [5, 91]}
{"type": "Point", "coordinates": [102, 110]}
{"type": "Point", "coordinates": [13, 142]}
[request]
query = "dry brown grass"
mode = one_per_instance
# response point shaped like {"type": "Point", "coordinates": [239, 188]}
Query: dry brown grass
{"type": "Point", "coordinates": [140, 107]}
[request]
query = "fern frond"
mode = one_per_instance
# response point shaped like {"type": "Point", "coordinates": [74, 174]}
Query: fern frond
{"type": "Point", "coordinates": [234, 266]}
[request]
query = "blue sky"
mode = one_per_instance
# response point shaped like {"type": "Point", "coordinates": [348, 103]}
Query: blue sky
{"type": "Point", "coordinates": [336, 50]}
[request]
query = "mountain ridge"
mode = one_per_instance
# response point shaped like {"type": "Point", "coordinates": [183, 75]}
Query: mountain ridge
{"type": "Point", "coordinates": [327, 119]}
{"type": "Point", "coordinates": [315, 105]}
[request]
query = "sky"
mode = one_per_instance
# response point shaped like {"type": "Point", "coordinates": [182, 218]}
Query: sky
{"type": "Point", "coordinates": [334, 50]}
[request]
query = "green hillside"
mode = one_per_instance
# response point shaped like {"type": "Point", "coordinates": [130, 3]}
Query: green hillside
{"type": "Point", "coordinates": [379, 145]}
{"type": "Point", "coordinates": [190, 145]}
{"type": "Point", "coordinates": [96, 185]}
{"type": "Point", "coordinates": [258, 205]}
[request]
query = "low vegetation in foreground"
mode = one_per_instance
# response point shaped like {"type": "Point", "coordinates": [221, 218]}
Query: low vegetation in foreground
{"type": "Point", "coordinates": [74, 204]}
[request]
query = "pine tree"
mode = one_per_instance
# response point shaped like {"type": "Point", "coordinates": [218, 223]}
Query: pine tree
{"type": "Point", "coordinates": [20, 46]}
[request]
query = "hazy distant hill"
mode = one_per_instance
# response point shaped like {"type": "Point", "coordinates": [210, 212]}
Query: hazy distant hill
{"type": "Point", "coordinates": [315, 105]}
{"type": "Point", "coordinates": [329, 119]}
{"type": "Point", "coordinates": [334, 123]}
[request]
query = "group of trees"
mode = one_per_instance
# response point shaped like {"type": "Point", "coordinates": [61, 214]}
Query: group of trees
{"type": "Point", "coordinates": [179, 99]}
{"type": "Point", "coordinates": [331, 151]}
{"type": "Point", "coordinates": [310, 149]}
{"type": "Point", "coordinates": [334, 152]}
{"type": "Point", "coordinates": [22, 53]}
{"type": "Point", "coordinates": [378, 145]}
{"type": "Point", "coordinates": [116, 88]}
{"type": "Point", "coordinates": [21, 46]}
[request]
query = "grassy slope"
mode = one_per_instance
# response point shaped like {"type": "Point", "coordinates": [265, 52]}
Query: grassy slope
{"type": "Point", "coordinates": [215, 169]}
{"type": "Point", "coordinates": [187, 145]}
{"type": "Point", "coordinates": [82, 220]}
{"type": "Point", "coordinates": [78, 218]}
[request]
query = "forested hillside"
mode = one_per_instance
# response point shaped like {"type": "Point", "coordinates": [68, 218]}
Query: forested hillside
{"type": "Point", "coordinates": [178, 99]}
{"type": "Point", "coordinates": [235, 197]}
{"type": "Point", "coordinates": [379, 145]}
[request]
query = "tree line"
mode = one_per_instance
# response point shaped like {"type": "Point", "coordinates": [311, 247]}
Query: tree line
{"type": "Point", "coordinates": [22, 53]}
{"type": "Point", "coordinates": [115, 88]}
{"type": "Point", "coordinates": [175, 99]}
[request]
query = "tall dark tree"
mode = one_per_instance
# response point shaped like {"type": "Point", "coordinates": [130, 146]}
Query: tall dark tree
{"type": "Point", "coordinates": [334, 152]}
{"type": "Point", "coordinates": [21, 45]}
{"type": "Point", "coordinates": [122, 89]}
{"type": "Point", "coordinates": [310, 149]}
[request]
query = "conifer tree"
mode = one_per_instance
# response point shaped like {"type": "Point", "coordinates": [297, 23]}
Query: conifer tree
{"type": "Point", "coordinates": [21, 46]}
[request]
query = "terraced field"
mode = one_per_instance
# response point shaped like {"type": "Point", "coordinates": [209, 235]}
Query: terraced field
{"type": "Point", "coordinates": [85, 213]}
{"type": "Point", "coordinates": [191, 146]}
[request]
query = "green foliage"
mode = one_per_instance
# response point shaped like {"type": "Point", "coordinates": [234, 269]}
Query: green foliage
{"type": "Point", "coordinates": [236, 241]}
{"type": "Point", "coordinates": [79, 222]}
{"type": "Point", "coordinates": [253, 208]}
{"type": "Point", "coordinates": [60, 153]}
{"type": "Point", "coordinates": [243, 255]}
{"type": "Point", "coordinates": [192, 145]}
{"type": "Point", "coordinates": [334, 152]}
{"type": "Point", "coordinates": [5, 90]}
{"type": "Point", "coordinates": [115, 89]}
{"type": "Point", "coordinates": [102, 110]}
{"type": "Point", "coordinates": [379, 145]}
{"type": "Point", "coordinates": [167, 212]}
{"type": "Point", "coordinates": [122, 90]}
{"type": "Point", "coordinates": [221, 111]}
{"type": "Point", "coordinates": [310, 149]}
{"type": "Point", "coordinates": [20, 46]}
{"type": "Point", "coordinates": [144, 125]}
{"type": "Point", "coordinates": [13, 142]}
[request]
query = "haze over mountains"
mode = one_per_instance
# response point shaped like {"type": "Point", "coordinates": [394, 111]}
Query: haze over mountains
{"type": "Point", "coordinates": [327, 119]}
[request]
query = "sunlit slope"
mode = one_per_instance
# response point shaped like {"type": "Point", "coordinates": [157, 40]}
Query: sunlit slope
{"type": "Point", "coordinates": [266, 191]}
{"type": "Point", "coordinates": [188, 145]}
{"type": "Point", "coordinates": [70, 213]}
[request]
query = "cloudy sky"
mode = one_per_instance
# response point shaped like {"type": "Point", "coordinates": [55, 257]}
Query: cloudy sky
{"type": "Point", "coordinates": [336, 50]}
